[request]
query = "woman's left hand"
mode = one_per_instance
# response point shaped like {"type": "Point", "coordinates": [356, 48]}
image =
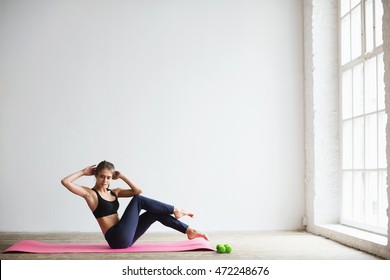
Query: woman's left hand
{"type": "Point", "coordinates": [116, 175]}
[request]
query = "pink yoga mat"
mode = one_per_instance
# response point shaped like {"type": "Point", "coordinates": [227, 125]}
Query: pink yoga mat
{"type": "Point", "coordinates": [31, 246]}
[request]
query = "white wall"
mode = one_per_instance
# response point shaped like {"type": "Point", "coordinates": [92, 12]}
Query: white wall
{"type": "Point", "coordinates": [322, 112]}
{"type": "Point", "coordinates": [199, 102]}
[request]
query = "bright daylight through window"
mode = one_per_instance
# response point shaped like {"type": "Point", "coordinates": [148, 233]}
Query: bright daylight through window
{"type": "Point", "coordinates": [363, 118]}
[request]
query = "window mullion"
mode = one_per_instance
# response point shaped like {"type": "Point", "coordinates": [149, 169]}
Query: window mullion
{"type": "Point", "coordinates": [377, 138]}
{"type": "Point", "coordinates": [363, 26]}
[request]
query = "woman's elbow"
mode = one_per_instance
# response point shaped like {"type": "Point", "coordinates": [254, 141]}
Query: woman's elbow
{"type": "Point", "coordinates": [64, 182]}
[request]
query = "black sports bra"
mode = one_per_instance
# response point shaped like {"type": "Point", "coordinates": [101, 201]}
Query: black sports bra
{"type": "Point", "coordinates": [105, 207]}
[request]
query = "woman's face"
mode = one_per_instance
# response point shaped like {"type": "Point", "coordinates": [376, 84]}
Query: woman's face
{"type": "Point", "coordinates": [104, 177]}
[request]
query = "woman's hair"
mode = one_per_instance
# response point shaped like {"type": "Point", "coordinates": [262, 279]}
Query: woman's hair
{"type": "Point", "coordinates": [104, 165]}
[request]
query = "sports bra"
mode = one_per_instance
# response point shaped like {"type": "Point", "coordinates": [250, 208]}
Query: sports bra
{"type": "Point", "coordinates": [105, 207]}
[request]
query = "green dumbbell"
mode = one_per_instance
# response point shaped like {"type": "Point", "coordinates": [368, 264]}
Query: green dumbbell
{"type": "Point", "coordinates": [221, 248]}
{"type": "Point", "coordinates": [228, 248]}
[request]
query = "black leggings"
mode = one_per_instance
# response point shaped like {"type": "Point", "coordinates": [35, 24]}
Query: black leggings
{"type": "Point", "coordinates": [132, 225]}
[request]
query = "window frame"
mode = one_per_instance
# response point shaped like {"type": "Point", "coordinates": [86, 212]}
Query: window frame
{"type": "Point", "coordinates": [362, 59]}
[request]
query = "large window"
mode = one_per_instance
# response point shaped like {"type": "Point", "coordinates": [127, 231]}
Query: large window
{"type": "Point", "coordinates": [363, 118]}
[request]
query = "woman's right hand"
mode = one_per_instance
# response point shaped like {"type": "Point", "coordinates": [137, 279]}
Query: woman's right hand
{"type": "Point", "coordinates": [89, 170]}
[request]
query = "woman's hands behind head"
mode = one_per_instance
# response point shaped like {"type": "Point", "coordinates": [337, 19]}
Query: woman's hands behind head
{"type": "Point", "coordinates": [116, 175]}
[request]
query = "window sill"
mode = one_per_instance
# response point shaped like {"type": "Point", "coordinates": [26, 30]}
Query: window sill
{"type": "Point", "coordinates": [357, 233]}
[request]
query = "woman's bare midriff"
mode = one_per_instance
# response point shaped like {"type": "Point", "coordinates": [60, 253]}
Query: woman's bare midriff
{"type": "Point", "coordinates": [107, 222]}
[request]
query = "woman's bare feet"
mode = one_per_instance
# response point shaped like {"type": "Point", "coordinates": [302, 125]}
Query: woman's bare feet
{"type": "Point", "coordinates": [192, 233]}
{"type": "Point", "coordinates": [178, 213]}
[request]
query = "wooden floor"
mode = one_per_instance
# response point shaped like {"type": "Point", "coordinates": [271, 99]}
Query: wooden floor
{"type": "Point", "coordinates": [265, 245]}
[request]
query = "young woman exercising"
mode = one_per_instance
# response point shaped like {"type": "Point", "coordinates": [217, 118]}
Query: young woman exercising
{"type": "Point", "coordinates": [103, 202]}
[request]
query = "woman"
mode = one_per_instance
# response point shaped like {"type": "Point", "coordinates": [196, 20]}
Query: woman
{"type": "Point", "coordinates": [103, 202]}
